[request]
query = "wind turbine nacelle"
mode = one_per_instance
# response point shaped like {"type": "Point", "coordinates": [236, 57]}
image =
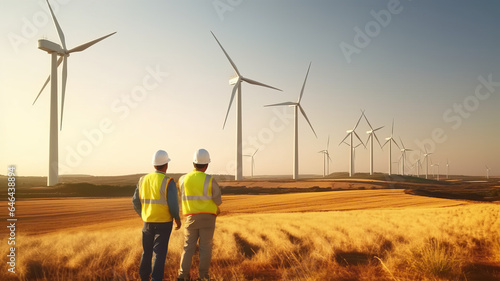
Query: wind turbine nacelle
{"type": "Point", "coordinates": [233, 80]}
{"type": "Point", "coordinates": [49, 46]}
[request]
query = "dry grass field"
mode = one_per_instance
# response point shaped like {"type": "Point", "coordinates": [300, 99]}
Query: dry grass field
{"type": "Point", "coordinates": [376, 234]}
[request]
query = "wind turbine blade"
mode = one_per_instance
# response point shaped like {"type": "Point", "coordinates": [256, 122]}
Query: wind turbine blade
{"type": "Point", "coordinates": [43, 87]}
{"type": "Point", "coordinates": [402, 144]}
{"type": "Point", "coordinates": [227, 56]}
{"type": "Point", "coordinates": [259, 83]}
{"type": "Point", "coordinates": [236, 86]}
{"type": "Point", "coordinates": [88, 44]}
{"type": "Point", "coordinates": [368, 139]}
{"type": "Point", "coordinates": [304, 85]}
{"type": "Point", "coordinates": [255, 152]}
{"type": "Point", "coordinates": [395, 143]}
{"type": "Point", "coordinates": [64, 78]}
{"type": "Point", "coordinates": [392, 130]}
{"type": "Point", "coordinates": [378, 128]}
{"type": "Point", "coordinates": [386, 142]}
{"type": "Point", "coordinates": [47, 81]}
{"type": "Point", "coordinates": [328, 143]}
{"type": "Point", "coordinates": [307, 119]}
{"type": "Point", "coordinates": [280, 104]}
{"type": "Point", "coordinates": [362, 114]}
{"type": "Point", "coordinates": [368, 122]}
{"type": "Point", "coordinates": [329, 158]}
{"type": "Point", "coordinates": [345, 139]}
{"type": "Point", "coordinates": [359, 138]}
{"type": "Point", "coordinates": [377, 138]}
{"type": "Point", "coordinates": [58, 27]}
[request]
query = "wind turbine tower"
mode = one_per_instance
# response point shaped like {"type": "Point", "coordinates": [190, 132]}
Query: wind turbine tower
{"type": "Point", "coordinates": [403, 154]}
{"type": "Point", "coordinates": [487, 172]}
{"type": "Point", "coordinates": [419, 164]}
{"type": "Point", "coordinates": [391, 140]}
{"type": "Point", "coordinates": [55, 50]}
{"type": "Point", "coordinates": [326, 158]}
{"type": "Point", "coordinates": [350, 134]}
{"type": "Point", "coordinates": [372, 134]}
{"type": "Point", "coordinates": [252, 156]}
{"type": "Point", "coordinates": [297, 106]}
{"type": "Point", "coordinates": [426, 157]}
{"type": "Point", "coordinates": [436, 165]}
{"type": "Point", "coordinates": [447, 169]}
{"type": "Point", "coordinates": [236, 81]}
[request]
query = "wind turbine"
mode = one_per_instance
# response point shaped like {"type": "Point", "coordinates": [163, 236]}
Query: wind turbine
{"type": "Point", "coordinates": [426, 157]}
{"type": "Point", "coordinates": [350, 134]}
{"type": "Point", "coordinates": [403, 154]}
{"type": "Point", "coordinates": [253, 163]}
{"type": "Point", "coordinates": [436, 165]}
{"type": "Point", "coordinates": [487, 172]}
{"type": "Point", "coordinates": [371, 134]}
{"type": "Point", "coordinates": [56, 50]}
{"type": "Point", "coordinates": [236, 81]}
{"type": "Point", "coordinates": [447, 169]}
{"type": "Point", "coordinates": [391, 140]}
{"type": "Point", "coordinates": [354, 155]}
{"type": "Point", "coordinates": [297, 106]}
{"type": "Point", "coordinates": [326, 158]}
{"type": "Point", "coordinates": [418, 163]}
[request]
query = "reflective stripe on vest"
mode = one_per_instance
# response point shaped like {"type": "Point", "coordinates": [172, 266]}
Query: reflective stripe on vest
{"type": "Point", "coordinates": [154, 206]}
{"type": "Point", "coordinates": [198, 203]}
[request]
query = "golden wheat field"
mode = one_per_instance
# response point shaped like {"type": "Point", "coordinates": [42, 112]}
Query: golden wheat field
{"type": "Point", "coordinates": [348, 235]}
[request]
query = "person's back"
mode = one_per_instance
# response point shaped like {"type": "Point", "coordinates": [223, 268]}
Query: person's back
{"type": "Point", "coordinates": [152, 191]}
{"type": "Point", "coordinates": [196, 192]}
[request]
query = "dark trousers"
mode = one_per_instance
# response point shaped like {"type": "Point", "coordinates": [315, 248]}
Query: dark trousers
{"type": "Point", "coordinates": [155, 238]}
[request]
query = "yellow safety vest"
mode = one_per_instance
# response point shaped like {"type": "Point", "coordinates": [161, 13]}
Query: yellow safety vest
{"type": "Point", "coordinates": [153, 195]}
{"type": "Point", "coordinates": [196, 190]}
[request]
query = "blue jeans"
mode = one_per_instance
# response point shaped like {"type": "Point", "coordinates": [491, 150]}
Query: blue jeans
{"type": "Point", "coordinates": [155, 238]}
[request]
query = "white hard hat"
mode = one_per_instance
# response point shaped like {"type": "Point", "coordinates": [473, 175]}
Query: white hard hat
{"type": "Point", "coordinates": [201, 156]}
{"type": "Point", "coordinates": [160, 158]}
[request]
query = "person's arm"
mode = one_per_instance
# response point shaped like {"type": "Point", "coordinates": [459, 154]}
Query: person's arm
{"type": "Point", "coordinates": [137, 201]}
{"type": "Point", "coordinates": [173, 203]}
{"type": "Point", "coordinates": [216, 193]}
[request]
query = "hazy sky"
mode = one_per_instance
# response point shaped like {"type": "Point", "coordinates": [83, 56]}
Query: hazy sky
{"type": "Point", "coordinates": [161, 82]}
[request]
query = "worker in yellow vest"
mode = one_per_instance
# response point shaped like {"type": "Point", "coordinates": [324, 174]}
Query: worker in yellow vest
{"type": "Point", "coordinates": [201, 197]}
{"type": "Point", "coordinates": [155, 200]}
